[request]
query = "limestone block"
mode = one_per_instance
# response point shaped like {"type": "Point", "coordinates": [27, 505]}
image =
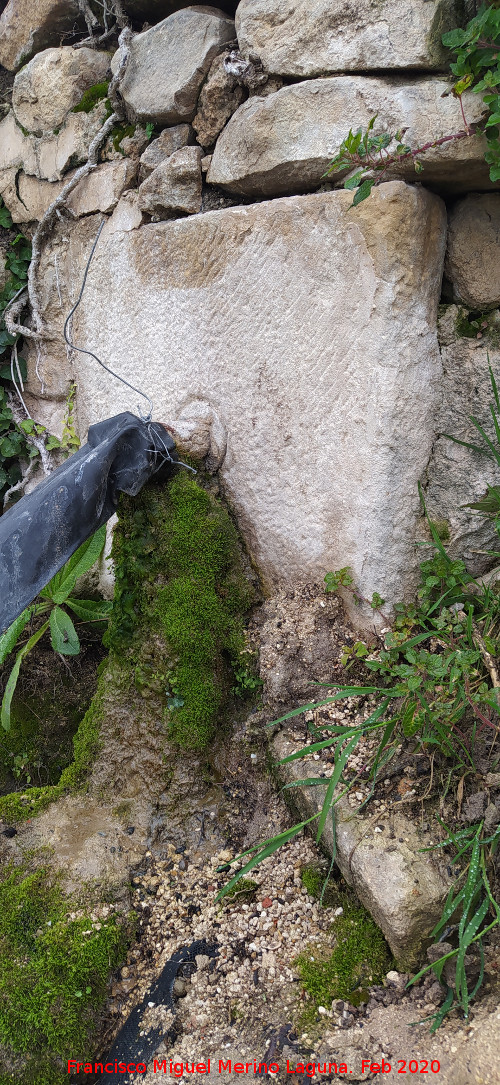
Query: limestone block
{"type": "Point", "coordinates": [220, 97]}
{"type": "Point", "coordinates": [403, 889]}
{"type": "Point", "coordinates": [27, 198]}
{"type": "Point", "coordinates": [313, 37]}
{"type": "Point", "coordinates": [170, 140]}
{"type": "Point", "coordinates": [174, 187]}
{"type": "Point", "coordinates": [47, 88]}
{"type": "Point", "coordinates": [101, 189]}
{"type": "Point", "coordinates": [310, 330]}
{"type": "Point", "coordinates": [284, 142]}
{"type": "Point", "coordinates": [169, 62]}
{"type": "Point", "coordinates": [127, 214]}
{"type": "Point", "coordinates": [26, 28]}
{"type": "Point", "coordinates": [17, 151]}
{"type": "Point", "coordinates": [473, 257]}
{"type": "Point", "coordinates": [52, 155]}
{"type": "Point", "coordinates": [456, 475]}
{"type": "Point", "coordinates": [58, 153]}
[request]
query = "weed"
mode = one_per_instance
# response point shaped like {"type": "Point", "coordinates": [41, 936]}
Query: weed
{"type": "Point", "coordinates": [435, 682]}
{"type": "Point", "coordinates": [477, 68]}
{"type": "Point", "coordinates": [63, 635]}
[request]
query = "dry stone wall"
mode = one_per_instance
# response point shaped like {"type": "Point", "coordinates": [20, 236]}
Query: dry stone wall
{"type": "Point", "coordinates": [296, 342]}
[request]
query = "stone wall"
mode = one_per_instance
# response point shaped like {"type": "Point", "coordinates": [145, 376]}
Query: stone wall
{"type": "Point", "coordinates": [291, 338]}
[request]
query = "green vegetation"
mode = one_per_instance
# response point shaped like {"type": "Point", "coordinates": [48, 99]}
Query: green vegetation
{"type": "Point", "coordinates": [91, 97]}
{"type": "Point", "coordinates": [179, 576]}
{"type": "Point", "coordinates": [63, 635]}
{"type": "Point", "coordinates": [53, 972]}
{"type": "Point", "coordinates": [13, 444]}
{"type": "Point", "coordinates": [434, 682]}
{"type": "Point", "coordinates": [246, 890]}
{"type": "Point", "coordinates": [477, 68]}
{"type": "Point", "coordinates": [18, 806]}
{"type": "Point", "coordinates": [360, 959]}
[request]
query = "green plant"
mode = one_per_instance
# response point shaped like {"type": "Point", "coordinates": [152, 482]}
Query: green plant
{"type": "Point", "coordinates": [53, 970]}
{"type": "Point", "coordinates": [471, 904]}
{"type": "Point", "coordinates": [437, 685]}
{"type": "Point", "coordinates": [63, 635]}
{"type": "Point", "coordinates": [13, 444]}
{"type": "Point", "coordinates": [70, 441]}
{"type": "Point", "coordinates": [179, 579]}
{"type": "Point", "coordinates": [91, 97]}
{"type": "Point", "coordinates": [477, 68]}
{"type": "Point", "coordinates": [359, 959]}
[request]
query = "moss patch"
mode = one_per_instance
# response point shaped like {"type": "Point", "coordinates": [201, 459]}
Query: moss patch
{"type": "Point", "coordinates": [360, 958]}
{"type": "Point", "coordinates": [53, 972]}
{"type": "Point", "coordinates": [91, 97]}
{"type": "Point", "coordinates": [20, 806]}
{"type": "Point", "coordinates": [180, 580]}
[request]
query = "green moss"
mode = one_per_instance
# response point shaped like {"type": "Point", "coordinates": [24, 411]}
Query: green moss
{"type": "Point", "coordinates": [53, 975]}
{"type": "Point", "coordinates": [121, 132]}
{"type": "Point", "coordinates": [19, 807]}
{"type": "Point", "coordinates": [360, 958]}
{"type": "Point", "coordinates": [91, 97]}
{"type": "Point", "coordinates": [442, 529]}
{"type": "Point", "coordinates": [245, 888]}
{"type": "Point", "coordinates": [179, 578]}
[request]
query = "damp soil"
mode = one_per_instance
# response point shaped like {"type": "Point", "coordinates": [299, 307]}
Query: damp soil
{"type": "Point", "coordinates": [52, 696]}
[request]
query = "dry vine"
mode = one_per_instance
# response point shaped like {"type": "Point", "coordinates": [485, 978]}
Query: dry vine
{"type": "Point", "coordinates": [60, 206]}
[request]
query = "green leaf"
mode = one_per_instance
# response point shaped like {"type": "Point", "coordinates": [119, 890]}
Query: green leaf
{"type": "Point", "coordinates": [64, 581]}
{"type": "Point", "coordinates": [63, 635]}
{"type": "Point", "coordinates": [14, 675]}
{"type": "Point", "coordinates": [354, 181]}
{"type": "Point", "coordinates": [9, 639]}
{"type": "Point", "coordinates": [363, 191]}
{"type": "Point", "coordinates": [340, 764]}
{"type": "Point", "coordinates": [90, 610]}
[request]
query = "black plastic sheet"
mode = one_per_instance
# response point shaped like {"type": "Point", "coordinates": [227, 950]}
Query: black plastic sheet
{"type": "Point", "coordinates": [40, 532]}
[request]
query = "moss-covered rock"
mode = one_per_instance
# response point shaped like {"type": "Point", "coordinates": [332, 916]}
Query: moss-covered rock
{"type": "Point", "coordinates": [360, 958]}
{"type": "Point", "coordinates": [180, 585]}
{"type": "Point", "coordinates": [53, 972]}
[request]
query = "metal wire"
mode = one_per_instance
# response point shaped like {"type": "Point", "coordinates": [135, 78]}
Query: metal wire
{"type": "Point", "coordinates": [143, 417]}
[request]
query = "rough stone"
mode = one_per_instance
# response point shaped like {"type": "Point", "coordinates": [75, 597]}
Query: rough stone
{"type": "Point", "coordinates": [27, 198]}
{"type": "Point", "coordinates": [169, 62]}
{"type": "Point", "coordinates": [17, 151]}
{"type": "Point", "coordinates": [101, 189]}
{"type": "Point", "coordinates": [288, 317]}
{"type": "Point", "coordinates": [127, 214]}
{"type": "Point", "coordinates": [284, 142]}
{"type": "Point", "coordinates": [58, 153]}
{"type": "Point", "coordinates": [473, 257]}
{"type": "Point", "coordinates": [220, 97]}
{"type": "Point", "coordinates": [455, 475]}
{"type": "Point", "coordinates": [403, 889]}
{"type": "Point", "coordinates": [25, 30]}
{"type": "Point", "coordinates": [312, 37]}
{"type": "Point", "coordinates": [174, 187]}
{"type": "Point", "coordinates": [47, 88]}
{"type": "Point", "coordinates": [50, 156]}
{"type": "Point", "coordinates": [170, 140]}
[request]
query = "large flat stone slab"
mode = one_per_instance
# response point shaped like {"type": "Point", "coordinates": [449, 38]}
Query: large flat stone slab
{"type": "Point", "coordinates": [284, 142]}
{"type": "Point", "coordinates": [310, 331]}
{"type": "Point", "coordinates": [312, 37]}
